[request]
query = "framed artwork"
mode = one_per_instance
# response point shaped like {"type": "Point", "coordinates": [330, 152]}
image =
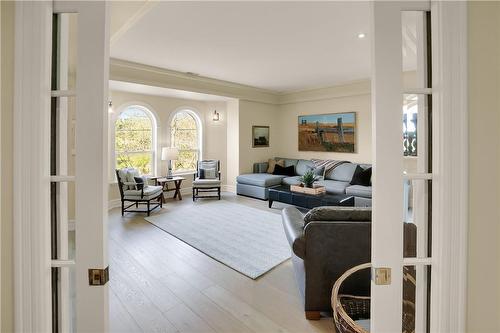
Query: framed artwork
{"type": "Point", "coordinates": [333, 132]}
{"type": "Point", "coordinates": [260, 136]}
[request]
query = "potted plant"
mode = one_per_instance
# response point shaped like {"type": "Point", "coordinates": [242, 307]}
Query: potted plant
{"type": "Point", "coordinates": [309, 178]}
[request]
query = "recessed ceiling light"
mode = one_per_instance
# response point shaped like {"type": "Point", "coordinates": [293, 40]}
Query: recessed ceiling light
{"type": "Point", "coordinates": [361, 35]}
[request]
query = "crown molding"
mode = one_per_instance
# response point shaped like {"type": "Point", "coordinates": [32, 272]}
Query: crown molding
{"type": "Point", "coordinates": [121, 70]}
{"type": "Point", "coordinates": [356, 88]}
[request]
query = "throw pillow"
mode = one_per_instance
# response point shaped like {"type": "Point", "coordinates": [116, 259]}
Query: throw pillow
{"type": "Point", "coordinates": [210, 173]}
{"type": "Point", "coordinates": [288, 171]}
{"type": "Point", "coordinates": [362, 176]}
{"type": "Point", "coordinates": [139, 183]}
{"type": "Point", "coordinates": [272, 164]}
{"type": "Point", "coordinates": [201, 174]}
{"type": "Point", "coordinates": [131, 174]}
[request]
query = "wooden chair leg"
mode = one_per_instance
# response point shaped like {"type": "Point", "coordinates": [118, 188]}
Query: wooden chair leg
{"type": "Point", "coordinates": [148, 208]}
{"type": "Point", "coordinates": [123, 208]}
{"type": "Point", "coordinates": [218, 192]}
{"type": "Point", "coordinates": [313, 315]}
{"type": "Point", "coordinates": [193, 194]}
{"type": "Point", "coordinates": [160, 199]}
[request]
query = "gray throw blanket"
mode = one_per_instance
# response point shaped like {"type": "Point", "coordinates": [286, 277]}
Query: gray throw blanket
{"type": "Point", "coordinates": [329, 165]}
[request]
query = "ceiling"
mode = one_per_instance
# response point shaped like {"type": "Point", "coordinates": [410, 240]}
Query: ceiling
{"type": "Point", "coordinates": [280, 46]}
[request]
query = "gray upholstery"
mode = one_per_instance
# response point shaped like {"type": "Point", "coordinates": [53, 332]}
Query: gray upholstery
{"type": "Point", "coordinates": [260, 179]}
{"type": "Point", "coordinates": [359, 191]}
{"type": "Point", "coordinates": [293, 223]}
{"type": "Point", "coordinates": [253, 191]}
{"type": "Point", "coordinates": [295, 180]}
{"type": "Point", "coordinates": [334, 186]}
{"type": "Point", "coordinates": [335, 213]}
{"type": "Point", "coordinates": [324, 250]}
{"type": "Point", "coordinates": [260, 167]}
{"type": "Point", "coordinates": [343, 172]}
{"type": "Point", "coordinates": [148, 193]}
{"type": "Point", "coordinates": [206, 182]}
{"type": "Point", "coordinates": [303, 166]}
{"type": "Point", "coordinates": [336, 181]}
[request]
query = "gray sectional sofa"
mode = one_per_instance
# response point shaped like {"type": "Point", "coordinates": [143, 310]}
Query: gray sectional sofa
{"type": "Point", "coordinates": [337, 181]}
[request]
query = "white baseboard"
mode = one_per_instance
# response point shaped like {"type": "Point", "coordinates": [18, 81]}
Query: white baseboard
{"type": "Point", "coordinates": [229, 188]}
{"type": "Point", "coordinates": [114, 203]}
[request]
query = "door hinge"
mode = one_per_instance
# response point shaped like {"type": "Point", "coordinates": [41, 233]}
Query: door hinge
{"type": "Point", "coordinates": [98, 276]}
{"type": "Point", "coordinates": [381, 275]}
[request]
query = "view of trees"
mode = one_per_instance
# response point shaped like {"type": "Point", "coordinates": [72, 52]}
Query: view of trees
{"type": "Point", "coordinates": [184, 136]}
{"type": "Point", "coordinates": [134, 140]}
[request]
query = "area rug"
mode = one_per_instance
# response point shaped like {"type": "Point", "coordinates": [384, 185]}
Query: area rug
{"type": "Point", "coordinates": [249, 240]}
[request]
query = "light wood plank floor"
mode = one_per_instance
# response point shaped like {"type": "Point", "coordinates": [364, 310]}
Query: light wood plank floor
{"type": "Point", "coordinates": [160, 284]}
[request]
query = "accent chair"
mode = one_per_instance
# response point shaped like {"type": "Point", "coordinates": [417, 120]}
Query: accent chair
{"type": "Point", "coordinates": [137, 193]}
{"type": "Point", "coordinates": [207, 179]}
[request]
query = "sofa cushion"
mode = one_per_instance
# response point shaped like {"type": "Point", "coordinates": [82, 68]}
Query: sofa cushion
{"type": "Point", "coordinates": [260, 179]}
{"type": "Point", "coordinates": [295, 180]}
{"type": "Point", "coordinates": [337, 213]}
{"type": "Point", "coordinates": [334, 186]}
{"type": "Point", "coordinates": [199, 182]}
{"type": "Point", "coordinates": [359, 191]}
{"type": "Point", "coordinates": [303, 166]}
{"type": "Point", "coordinates": [343, 172]}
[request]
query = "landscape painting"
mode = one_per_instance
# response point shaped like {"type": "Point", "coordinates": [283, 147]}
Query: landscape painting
{"type": "Point", "coordinates": [334, 132]}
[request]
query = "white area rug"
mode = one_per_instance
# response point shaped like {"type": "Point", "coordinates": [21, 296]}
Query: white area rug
{"type": "Point", "coordinates": [249, 240]}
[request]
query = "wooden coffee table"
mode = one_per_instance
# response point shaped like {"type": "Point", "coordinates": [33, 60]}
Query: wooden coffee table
{"type": "Point", "coordinates": [164, 182]}
{"type": "Point", "coordinates": [283, 194]}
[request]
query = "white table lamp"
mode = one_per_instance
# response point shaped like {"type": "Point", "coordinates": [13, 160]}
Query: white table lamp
{"type": "Point", "coordinates": [169, 154]}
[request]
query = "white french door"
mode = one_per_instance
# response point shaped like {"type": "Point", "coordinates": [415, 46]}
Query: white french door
{"type": "Point", "coordinates": [62, 68]}
{"type": "Point", "coordinates": [414, 73]}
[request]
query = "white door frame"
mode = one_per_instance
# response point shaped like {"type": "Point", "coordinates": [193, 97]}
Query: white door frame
{"type": "Point", "coordinates": [449, 164]}
{"type": "Point", "coordinates": [31, 169]}
{"type": "Point", "coordinates": [32, 252]}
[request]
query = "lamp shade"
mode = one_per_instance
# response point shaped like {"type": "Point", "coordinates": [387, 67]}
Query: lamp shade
{"type": "Point", "coordinates": [169, 153]}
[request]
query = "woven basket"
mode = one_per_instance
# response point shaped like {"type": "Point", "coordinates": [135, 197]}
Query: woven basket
{"type": "Point", "coordinates": [348, 308]}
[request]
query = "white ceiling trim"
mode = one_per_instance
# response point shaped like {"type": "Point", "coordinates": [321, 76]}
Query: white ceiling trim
{"type": "Point", "coordinates": [162, 82]}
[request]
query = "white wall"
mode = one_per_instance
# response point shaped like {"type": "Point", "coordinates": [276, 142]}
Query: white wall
{"type": "Point", "coordinates": [341, 99]}
{"type": "Point", "coordinates": [483, 295]}
{"type": "Point", "coordinates": [255, 113]}
{"type": "Point", "coordinates": [233, 142]}
{"type": "Point", "coordinates": [6, 167]}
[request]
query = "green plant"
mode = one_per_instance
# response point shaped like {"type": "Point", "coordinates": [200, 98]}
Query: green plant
{"type": "Point", "coordinates": [309, 178]}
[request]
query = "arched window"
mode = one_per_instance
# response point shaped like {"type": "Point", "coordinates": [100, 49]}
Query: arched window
{"type": "Point", "coordinates": [134, 139]}
{"type": "Point", "coordinates": [185, 135]}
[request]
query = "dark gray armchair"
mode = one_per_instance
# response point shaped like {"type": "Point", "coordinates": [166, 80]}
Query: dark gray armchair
{"type": "Point", "coordinates": [325, 243]}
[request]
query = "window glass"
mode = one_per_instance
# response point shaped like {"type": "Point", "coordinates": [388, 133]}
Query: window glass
{"type": "Point", "coordinates": [185, 135]}
{"type": "Point", "coordinates": [134, 140]}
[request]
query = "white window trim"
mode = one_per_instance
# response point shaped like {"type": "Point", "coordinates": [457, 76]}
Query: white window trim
{"type": "Point", "coordinates": [199, 123]}
{"type": "Point", "coordinates": [148, 109]}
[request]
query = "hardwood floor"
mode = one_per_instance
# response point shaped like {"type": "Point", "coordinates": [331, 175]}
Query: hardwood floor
{"type": "Point", "coordinates": [160, 284]}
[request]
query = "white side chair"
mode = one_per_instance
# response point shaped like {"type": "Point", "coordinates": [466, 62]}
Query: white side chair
{"type": "Point", "coordinates": [207, 179]}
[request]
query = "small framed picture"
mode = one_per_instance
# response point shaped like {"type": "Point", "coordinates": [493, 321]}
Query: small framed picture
{"type": "Point", "coordinates": [260, 136]}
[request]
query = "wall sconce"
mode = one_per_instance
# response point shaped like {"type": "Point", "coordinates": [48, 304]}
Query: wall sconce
{"type": "Point", "coordinates": [110, 106]}
{"type": "Point", "coordinates": [215, 117]}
